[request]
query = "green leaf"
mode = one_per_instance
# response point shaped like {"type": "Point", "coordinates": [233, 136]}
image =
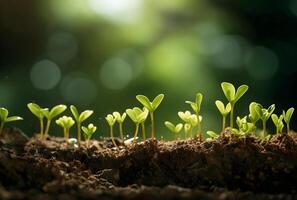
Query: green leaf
{"type": "Point", "coordinates": [36, 110]}
{"type": "Point", "coordinates": [193, 106]}
{"type": "Point", "coordinates": [255, 112]}
{"type": "Point", "coordinates": [85, 115]}
{"type": "Point", "coordinates": [145, 102]}
{"type": "Point", "coordinates": [57, 110]}
{"type": "Point", "coordinates": [110, 119]}
{"type": "Point", "coordinates": [178, 127]}
{"type": "Point", "coordinates": [240, 92]}
{"type": "Point", "coordinates": [3, 114]}
{"type": "Point", "coordinates": [74, 112]}
{"type": "Point", "coordinates": [229, 91]}
{"type": "Point", "coordinates": [288, 115]}
{"type": "Point", "coordinates": [170, 126]}
{"type": "Point", "coordinates": [65, 122]}
{"type": "Point", "coordinates": [13, 118]}
{"type": "Point", "coordinates": [89, 131]}
{"type": "Point", "coordinates": [187, 128]}
{"type": "Point", "coordinates": [220, 106]}
{"type": "Point", "coordinates": [274, 119]}
{"type": "Point", "coordinates": [199, 98]}
{"type": "Point", "coordinates": [212, 134]}
{"type": "Point", "coordinates": [157, 101]}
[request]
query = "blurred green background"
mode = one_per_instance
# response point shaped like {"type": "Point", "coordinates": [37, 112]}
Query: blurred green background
{"type": "Point", "coordinates": [99, 54]}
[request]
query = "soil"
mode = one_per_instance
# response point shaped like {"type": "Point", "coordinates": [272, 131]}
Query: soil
{"type": "Point", "coordinates": [225, 168]}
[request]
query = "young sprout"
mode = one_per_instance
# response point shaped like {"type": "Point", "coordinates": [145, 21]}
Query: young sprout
{"type": "Point", "coordinates": [196, 106]}
{"type": "Point", "coordinates": [174, 128]}
{"type": "Point", "coordinates": [120, 119]}
{"type": "Point", "coordinates": [224, 112]}
{"type": "Point", "coordinates": [50, 115]}
{"type": "Point", "coordinates": [265, 115]}
{"type": "Point", "coordinates": [88, 132]}
{"type": "Point", "coordinates": [187, 129]}
{"type": "Point", "coordinates": [212, 134]}
{"type": "Point", "coordinates": [111, 120]}
{"type": "Point", "coordinates": [151, 106]}
{"type": "Point", "coordinates": [287, 117]}
{"type": "Point", "coordinates": [255, 112]}
{"type": "Point", "coordinates": [138, 116]}
{"type": "Point", "coordinates": [72, 142]}
{"type": "Point", "coordinates": [244, 126]}
{"type": "Point", "coordinates": [79, 118]}
{"type": "Point", "coordinates": [190, 119]}
{"type": "Point", "coordinates": [4, 118]}
{"type": "Point", "coordinates": [278, 122]}
{"type": "Point", "coordinates": [233, 96]}
{"type": "Point", "coordinates": [66, 123]}
{"type": "Point", "coordinates": [39, 113]}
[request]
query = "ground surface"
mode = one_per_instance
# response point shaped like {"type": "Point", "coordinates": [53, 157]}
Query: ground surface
{"type": "Point", "coordinates": [227, 168]}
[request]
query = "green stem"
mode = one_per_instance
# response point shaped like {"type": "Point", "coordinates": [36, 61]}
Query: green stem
{"type": "Point", "coordinates": [152, 125]}
{"type": "Point", "coordinates": [143, 131]}
{"type": "Point", "coordinates": [264, 129]}
{"type": "Point", "coordinates": [1, 127]}
{"type": "Point", "coordinates": [111, 136]}
{"type": "Point", "coordinates": [288, 128]}
{"type": "Point", "coordinates": [231, 116]}
{"type": "Point", "coordinates": [121, 131]}
{"type": "Point", "coordinates": [41, 127]}
{"type": "Point", "coordinates": [136, 132]}
{"type": "Point", "coordinates": [224, 123]}
{"type": "Point", "coordinates": [199, 128]}
{"type": "Point", "coordinates": [48, 124]}
{"type": "Point", "coordinates": [78, 133]}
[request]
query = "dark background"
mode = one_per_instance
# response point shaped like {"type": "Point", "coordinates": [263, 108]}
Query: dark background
{"type": "Point", "coordinates": [99, 54]}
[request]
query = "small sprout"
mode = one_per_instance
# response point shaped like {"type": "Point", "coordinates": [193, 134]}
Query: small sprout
{"type": "Point", "coordinates": [79, 118]}
{"type": "Point", "coordinates": [72, 142]}
{"type": "Point", "coordinates": [50, 115]}
{"type": "Point", "coordinates": [151, 106]}
{"type": "Point", "coordinates": [190, 119]}
{"type": "Point", "coordinates": [138, 116]}
{"type": "Point", "coordinates": [66, 123]}
{"type": "Point", "coordinates": [196, 106]}
{"type": "Point", "coordinates": [212, 134]}
{"type": "Point", "coordinates": [174, 128]}
{"type": "Point", "coordinates": [233, 96]}
{"type": "Point", "coordinates": [39, 113]}
{"type": "Point", "coordinates": [120, 119]}
{"type": "Point", "coordinates": [88, 132]}
{"type": "Point", "coordinates": [278, 122]}
{"type": "Point", "coordinates": [4, 118]}
{"type": "Point", "coordinates": [224, 112]}
{"type": "Point", "coordinates": [187, 129]}
{"type": "Point", "coordinates": [111, 120]}
{"type": "Point", "coordinates": [287, 118]}
{"type": "Point", "coordinates": [255, 112]}
{"type": "Point", "coordinates": [265, 115]}
{"type": "Point", "coordinates": [244, 126]}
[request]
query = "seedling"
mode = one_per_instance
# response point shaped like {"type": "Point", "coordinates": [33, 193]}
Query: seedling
{"type": "Point", "coordinates": [4, 118]}
{"type": "Point", "coordinates": [120, 119]}
{"type": "Point", "coordinates": [212, 134]}
{"type": "Point", "coordinates": [190, 119]}
{"type": "Point", "coordinates": [138, 116]}
{"type": "Point", "coordinates": [224, 112]}
{"type": "Point", "coordinates": [175, 129]}
{"type": "Point", "coordinates": [111, 120]}
{"type": "Point", "coordinates": [244, 126]}
{"type": "Point", "coordinates": [278, 122]}
{"type": "Point", "coordinates": [265, 115]}
{"type": "Point", "coordinates": [151, 106]}
{"type": "Point", "coordinates": [233, 96]}
{"type": "Point", "coordinates": [50, 115]}
{"type": "Point", "coordinates": [88, 133]}
{"type": "Point", "coordinates": [72, 142]}
{"type": "Point", "coordinates": [255, 112]}
{"type": "Point", "coordinates": [39, 113]}
{"type": "Point", "coordinates": [187, 129]}
{"type": "Point", "coordinates": [79, 118]}
{"type": "Point", "coordinates": [66, 123]}
{"type": "Point", "coordinates": [287, 117]}
{"type": "Point", "coordinates": [196, 106]}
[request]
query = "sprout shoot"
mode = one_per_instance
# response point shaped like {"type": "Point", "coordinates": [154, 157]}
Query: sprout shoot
{"type": "Point", "coordinates": [233, 96]}
{"type": "Point", "coordinates": [4, 118]}
{"type": "Point", "coordinates": [212, 134]}
{"type": "Point", "coordinates": [224, 112]}
{"type": "Point", "coordinates": [190, 119]}
{"type": "Point", "coordinates": [79, 118]}
{"type": "Point", "coordinates": [39, 113]}
{"type": "Point", "coordinates": [111, 120]}
{"type": "Point", "coordinates": [244, 126]}
{"type": "Point", "coordinates": [265, 115]}
{"type": "Point", "coordinates": [287, 118]}
{"type": "Point", "coordinates": [54, 112]}
{"type": "Point", "coordinates": [151, 106]}
{"type": "Point", "coordinates": [138, 116]}
{"type": "Point", "coordinates": [196, 106]}
{"type": "Point", "coordinates": [66, 123]}
{"type": "Point", "coordinates": [175, 129]}
{"type": "Point", "coordinates": [88, 133]}
{"type": "Point", "coordinates": [278, 122]}
{"type": "Point", "coordinates": [187, 129]}
{"type": "Point", "coordinates": [120, 119]}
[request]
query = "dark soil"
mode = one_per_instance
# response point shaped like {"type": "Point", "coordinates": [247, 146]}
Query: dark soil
{"type": "Point", "coordinates": [227, 168]}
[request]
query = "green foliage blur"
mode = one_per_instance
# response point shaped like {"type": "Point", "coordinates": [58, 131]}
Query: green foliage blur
{"type": "Point", "coordinates": [99, 54]}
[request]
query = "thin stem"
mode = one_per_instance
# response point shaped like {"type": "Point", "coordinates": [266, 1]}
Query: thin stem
{"type": "Point", "coordinates": [264, 129]}
{"type": "Point", "coordinates": [143, 131]}
{"type": "Point", "coordinates": [199, 128]}
{"type": "Point", "coordinates": [152, 125]}
{"type": "Point", "coordinates": [121, 131]}
{"type": "Point", "coordinates": [48, 124]}
{"type": "Point", "coordinates": [1, 127]}
{"type": "Point", "coordinates": [88, 143]}
{"type": "Point", "coordinates": [136, 132]}
{"type": "Point", "coordinates": [41, 127]}
{"type": "Point", "coordinates": [111, 136]}
{"type": "Point", "coordinates": [223, 125]}
{"type": "Point", "coordinates": [78, 133]}
{"type": "Point", "coordinates": [231, 116]}
{"type": "Point", "coordinates": [288, 128]}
